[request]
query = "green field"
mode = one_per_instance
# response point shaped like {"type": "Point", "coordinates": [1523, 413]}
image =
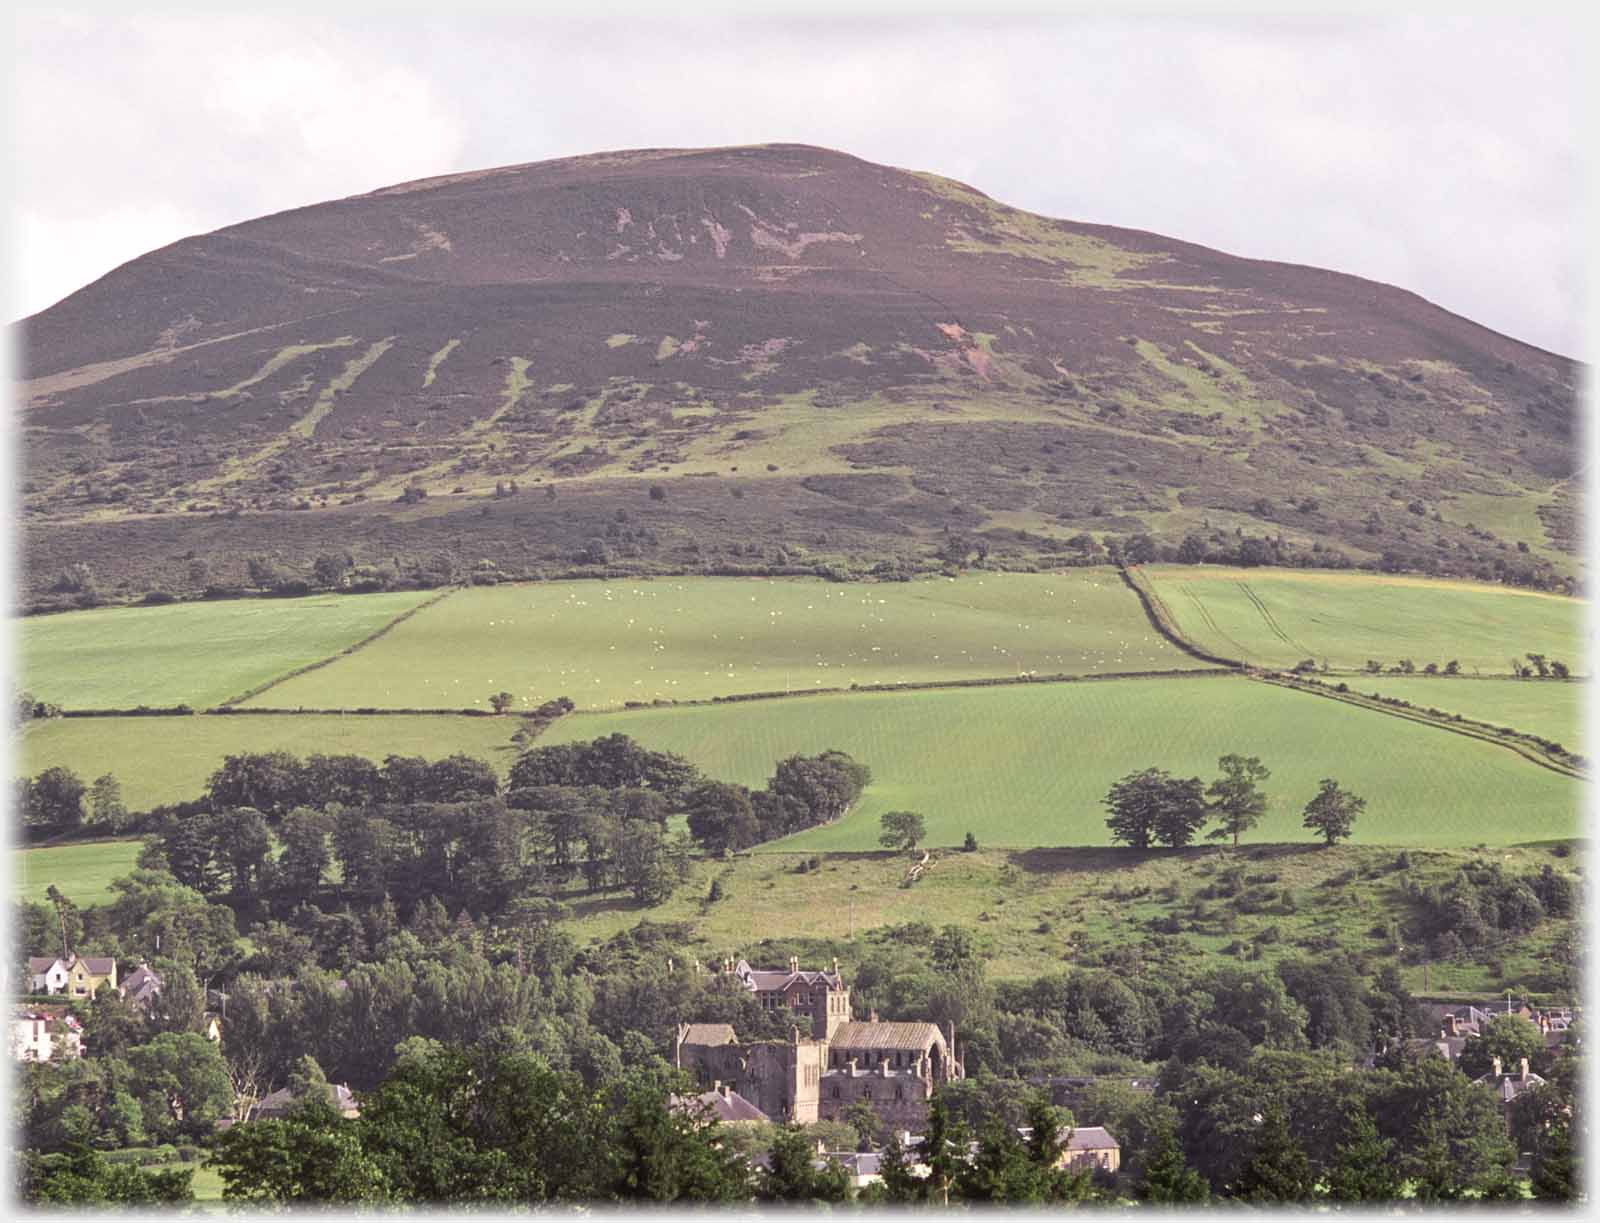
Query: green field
{"type": "Point", "coordinates": [606, 643]}
{"type": "Point", "coordinates": [1042, 907]}
{"type": "Point", "coordinates": [189, 653]}
{"type": "Point", "coordinates": [1019, 765]}
{"type": "Point", "coordinates": [1028, 765]}
{"type": "Point", "coordinates": [1276, 617]}
{"type": "Point", "coordinates": [83, 871]}
{"type": "Point", "coordinates": [1550, 710]}
{"type": "Point", "coordinates": [166, 760]}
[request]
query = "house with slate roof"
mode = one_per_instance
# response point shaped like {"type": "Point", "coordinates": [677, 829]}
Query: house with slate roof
{"type": "Point", "coordinates": [77, 975]}
{"type": "Point", "coordinates": [1508, 1085]}
{"type": "Point", "coordinates": [894, 1067]}
{"type": "Point", "coordinates": [142, 986]}
{"type": "Point", "coordinates": [283, 1101]}
{"type": "Point", "coordinates": [723, 1103]}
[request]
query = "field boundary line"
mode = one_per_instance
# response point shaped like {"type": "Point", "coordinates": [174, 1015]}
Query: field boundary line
{"type": "Point", "coordinates": [736, 698]}
{"type": "Point", "coordinates": [335, 657]}
{"type": "Point", "coordinates": [1466, 727]}
{"type": "Point", "coordinates": [1165, 623]}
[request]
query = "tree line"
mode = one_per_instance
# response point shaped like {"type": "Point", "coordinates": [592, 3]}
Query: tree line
{"type": "Point", "coordinates": [1152, 807]}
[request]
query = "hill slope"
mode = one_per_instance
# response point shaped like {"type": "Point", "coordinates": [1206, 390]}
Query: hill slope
{"type": "Point", "coordinates": [862, 356]}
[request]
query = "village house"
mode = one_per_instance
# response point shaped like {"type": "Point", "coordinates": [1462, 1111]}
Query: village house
{"type": "Point", "coordinates": [723, 1103]}
{"type": "Point", "coordinates": [142, 986]}
{"type": "Point", "coordinates": [1507, 1086]}
{"type": "Point", "coordinates": [42, 1035]}
{"type": "Point", "coordinates": [1088, 1147]}
{"type": "Point", "coordinates": [1091, 1146]}
{"type": "Point", "coordinates": [77, 975]}
{"type": "Point", "coordinates": [894, 1067]}
{"type": "Point", "coordinates": [283, 1101]}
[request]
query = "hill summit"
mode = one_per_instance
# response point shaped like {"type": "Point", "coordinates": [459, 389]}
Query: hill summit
{"type": "Point", "coordinates": [754, 358]}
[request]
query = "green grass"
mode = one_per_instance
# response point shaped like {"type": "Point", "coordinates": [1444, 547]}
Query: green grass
{"type": "Point", "coordinates": [165, 760]}
{"type": "Point", "coordinates": [83, 870]}
{"type": "Point", "coordinates": [194, 653]}
{"type": "Point", "coordinates": [1018, 765]}
{"type": "Point", "coordinates": [606, 643]}
{"type": "Point", "coordinates": [1550, 710]}
{"type": "Point", "coordinates": [1346, 618]}
{"type": "Point", "coordinates": [1039, 909]}
{"type": "Point", "coordinates": [1027, 766]}
{"type": "Point", "coordinates": [207, 1186]}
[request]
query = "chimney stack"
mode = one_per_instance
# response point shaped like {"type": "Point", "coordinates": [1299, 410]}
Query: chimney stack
{"type": "Point", "coordinates": [794, 964]}
{"type": "Point", "coordinates": [1524, 1070]}
{"type": "Point", "coordinates": [1497, 1068]}
{"type": "Point", "coordinates": [852, 1067]}
{"type": "Point", "coordinates": [872, 1016]}
{"type": "Point", "coordinates": [836, 966]}
{"type": "Point", "coordinates": [1450, 1021]}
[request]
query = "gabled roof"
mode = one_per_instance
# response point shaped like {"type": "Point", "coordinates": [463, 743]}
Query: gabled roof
{"type": "Point", "coordinates": [1508, 1086]}
{"type": "Point", "coordinates": [38, 965]}
{"type": "Point", "coordinates": [885, 1036]}
{"type": "Point", "coordinates": [1092, 1138]}
{"type": "Point", "coordinates": [140, 977]}
{"type": "Point", "coordinates": [725, 1106]}
{"type": "Point", "coordinates": [855, 1163]}
{"type": "Point", "coordinates": [772, 980]}
{"type": "Point", "coordinates": [709, 1034]}
{"type": "Point", "coordinates": [100, 966]}
{"type": "Point", "coordinates": [340, 1096]}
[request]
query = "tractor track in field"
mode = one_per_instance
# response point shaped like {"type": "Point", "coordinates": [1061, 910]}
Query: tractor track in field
{"type": "Point", "coordinates": [1260, 605]}
{"type": "Point", "coordinates": [1161, 619]}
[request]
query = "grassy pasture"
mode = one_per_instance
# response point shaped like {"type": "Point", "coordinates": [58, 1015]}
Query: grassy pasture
{"type": "Point", "coordinates": [1035, 909]}
{"type": "Point", "coordinates": [1019, 766]}
{"type": "Point", "coordinates": [193, 653]}
{"type": "Point", "coordinates": [83, 870]}
{"type": "Point", "coordinates": [604, 643]}
{"type": "Point", "coordinates": [1029, 765]}
{"type": "Point", "coordinates": [164, 760]}
{"type": "Point", "coordinates": [1275, 617]}
{"type": "Point", "coordinates": [1549, 710]}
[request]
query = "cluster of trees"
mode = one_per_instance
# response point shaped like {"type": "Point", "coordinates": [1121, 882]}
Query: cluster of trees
{"type": "Point", "coordinates": [803, 791]}
{"type": "Point", "coordinates": [274, 835]}
{"type": "Point", "coordinates": [1154, 808]}
{"type": "Point", "coordinates": [1406, 666]}
{"type": "Point", "coordinates": [56, 803]}
{"type": "Point", "coordinates": [1540, 665]}
{"type": "Point", "coordinates": [27, 707]}
{"type": "Point", "coordinates": [1483, 904]}
{"type": "Point", "coordinates": [1228, 1043]}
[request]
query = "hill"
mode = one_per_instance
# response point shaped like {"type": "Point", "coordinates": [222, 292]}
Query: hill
{"type": "Point", "coordinates": [765, 358]}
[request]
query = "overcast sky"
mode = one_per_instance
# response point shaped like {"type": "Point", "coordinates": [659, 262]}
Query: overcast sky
{"type": "Point", "coordinates": [1439, 155]}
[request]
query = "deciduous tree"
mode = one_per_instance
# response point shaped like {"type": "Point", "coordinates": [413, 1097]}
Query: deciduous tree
{"type": "Point", "coordinates": [1333, 811]}
{"type": "Point", "coordinates": [1236, 799]}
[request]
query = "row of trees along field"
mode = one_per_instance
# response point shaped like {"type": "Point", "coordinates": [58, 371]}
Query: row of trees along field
{"type": "Point", "coordinates": [1154, 808]}
{"type": "Point", "coordinates": [1260, 1090]}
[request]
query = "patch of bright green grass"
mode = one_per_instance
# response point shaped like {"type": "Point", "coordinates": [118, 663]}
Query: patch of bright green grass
{"type": "Point", "coordinates": [306, 426]}
{"type": "Point", "coordinates": [438, 359]}
{"type": "Point", "coordinates": [604, 643]}
{"type": "Point", "coordinates": [1030, 765]}
{"type": "Point", "coordinates": [167, 760]}
{"type": "Point", "coordinates": [1276, 617]}
{"type": "Point", "coordinates": [193, 653]}
{"type": "Point", "coordinates": [82, 870]}
{"type": "Point", "coordinates": [1549, 709]}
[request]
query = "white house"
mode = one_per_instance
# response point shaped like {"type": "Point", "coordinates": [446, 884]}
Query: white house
{"type": "Point", "coordinates": [37, 1036]}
